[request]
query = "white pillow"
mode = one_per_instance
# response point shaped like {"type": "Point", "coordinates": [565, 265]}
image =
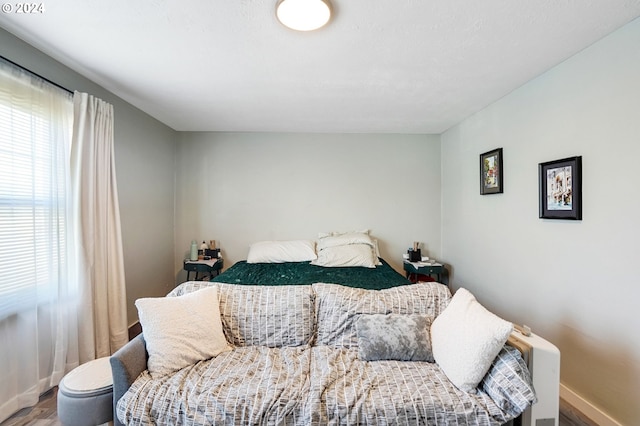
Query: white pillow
{"type": "Point", "coordinates": [282, 251]}
{"type": "Point", "coordinates": [337, 233]}
{"type": "Point", "coordinates": [180, 331]}
{"type": "Point", "coordinates": [376, 249]}
{"type": "Point", "coordinates": [466, 338]}
{"type": "Point", "coordinates": [343, 240]}
{"type": "Point", "coordinates": [348, 255]}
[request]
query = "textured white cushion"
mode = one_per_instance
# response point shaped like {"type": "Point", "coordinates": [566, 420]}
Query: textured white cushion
{"type": "Point", "coordinates": [180, 331]}
{"type": "Point", "coordinates": [347, 255]}
{"type": "Point", "coordinates": [282, 251]}
{"type": "Point", "coordinates": [466, 338]}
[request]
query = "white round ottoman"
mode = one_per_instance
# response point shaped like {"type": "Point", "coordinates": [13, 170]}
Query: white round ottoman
{"type": "Point", "coordinates": [85, 394]}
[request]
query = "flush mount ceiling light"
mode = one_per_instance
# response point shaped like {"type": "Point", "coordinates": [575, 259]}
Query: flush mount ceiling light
{"type": "Point", "coordinates": [303, 15]}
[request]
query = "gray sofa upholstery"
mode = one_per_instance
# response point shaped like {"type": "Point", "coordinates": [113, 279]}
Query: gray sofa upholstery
{"type": "Point", "coordinates": [126, 365]}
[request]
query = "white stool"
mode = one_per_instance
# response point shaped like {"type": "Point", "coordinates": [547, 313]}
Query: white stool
{"type": "Point", "coordinates": [85, 394]}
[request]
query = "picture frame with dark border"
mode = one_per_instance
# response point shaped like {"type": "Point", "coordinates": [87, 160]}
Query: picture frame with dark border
{"type": "Point", "coordinates": [560, 189]}
{"type": "Point", "coordinates": [491, 172]}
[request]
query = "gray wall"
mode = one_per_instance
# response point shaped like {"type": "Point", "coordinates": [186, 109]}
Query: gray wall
{"type": "Point", "coordinates": [574, 283]}
{"type": "Point", "coordinates": [239, 188]}
{"type": "Point", "coordinates": [145, 150]}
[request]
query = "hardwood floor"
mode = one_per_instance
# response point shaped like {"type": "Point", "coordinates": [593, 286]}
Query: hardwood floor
{"type": "Point", "coordinates": [569, 416]}
{"type": "Point", "coordinates": [45, 414]}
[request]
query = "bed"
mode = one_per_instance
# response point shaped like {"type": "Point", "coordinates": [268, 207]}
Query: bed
{"type": "Point", "coordinates": [292, 273]}
{"type": "Point", "coordinates": [348, 258]}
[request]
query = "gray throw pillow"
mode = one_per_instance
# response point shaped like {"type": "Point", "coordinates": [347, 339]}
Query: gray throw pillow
{"type": "Point", "coordinates": [394, 337]}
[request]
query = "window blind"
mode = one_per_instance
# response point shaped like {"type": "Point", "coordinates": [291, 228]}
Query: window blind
{"type": "Point", "coordinates": [35, 129]}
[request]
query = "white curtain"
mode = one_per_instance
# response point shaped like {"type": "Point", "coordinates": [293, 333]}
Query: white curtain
{"type": "Point", "coordinates": [38, 340]}
{"type": "Point", "coordinates": [98, 256]}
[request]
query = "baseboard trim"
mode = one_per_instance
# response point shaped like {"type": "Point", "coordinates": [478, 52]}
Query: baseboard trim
{"type": "Point", "coordinates": [589, 410]}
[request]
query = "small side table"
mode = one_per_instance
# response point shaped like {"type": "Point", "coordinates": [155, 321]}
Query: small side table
{"type": "Point", "coordinates": [203, 266]}
{"type": "Point", "coordinates": [422, 268]}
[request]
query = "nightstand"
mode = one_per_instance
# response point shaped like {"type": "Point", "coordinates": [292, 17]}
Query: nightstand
{"type": "Point", "coordinates": [413, 269]}
{"type": "Point", "coordinates": [203, 266]}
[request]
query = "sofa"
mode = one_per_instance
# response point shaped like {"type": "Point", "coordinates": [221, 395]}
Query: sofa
{"type": "Point", "coordinates": [227, 354]}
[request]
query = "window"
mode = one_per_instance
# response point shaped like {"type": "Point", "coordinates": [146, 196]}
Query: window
{"type": "Point", "coordinates": [35, 129]}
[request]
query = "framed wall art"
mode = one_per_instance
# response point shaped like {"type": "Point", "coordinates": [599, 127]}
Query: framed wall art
{"type": "Point", "coordinates": [491, 176]}
{"type": "Point", "coordinates": [560, 189]}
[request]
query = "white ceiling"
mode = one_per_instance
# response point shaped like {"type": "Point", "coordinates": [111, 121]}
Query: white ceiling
{"type": "Point", "coordinates": [380, 66]}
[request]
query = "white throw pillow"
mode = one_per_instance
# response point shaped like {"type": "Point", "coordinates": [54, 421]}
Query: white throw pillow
{"type": "Point", "coordinates": [348, 255]}
{"type": "Point", "coordinates": [180, 331]}
{"type": "Point", "coordinates": [282, 251]}
{"type": "Point", "coordinates": [466, 338]}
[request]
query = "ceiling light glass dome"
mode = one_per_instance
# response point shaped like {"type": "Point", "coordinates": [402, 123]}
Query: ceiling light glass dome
{"type": "Point", "coordinates": [303, 15]}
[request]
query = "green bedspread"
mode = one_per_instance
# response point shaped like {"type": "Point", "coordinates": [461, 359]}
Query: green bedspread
{"type": "Point", "coordinates": [383, 276]}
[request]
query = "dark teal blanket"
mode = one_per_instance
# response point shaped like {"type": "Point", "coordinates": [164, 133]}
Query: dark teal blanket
{"type": "Point", "coordinates": [383, 276]}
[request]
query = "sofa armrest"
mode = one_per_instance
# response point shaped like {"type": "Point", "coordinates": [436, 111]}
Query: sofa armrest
{"type": "Point", "coordinates": [126, 365]}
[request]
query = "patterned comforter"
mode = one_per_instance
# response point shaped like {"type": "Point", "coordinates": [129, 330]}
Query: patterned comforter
{"type": "Point", "coordinates": [247, 386]}
{"type": "Point", "coordinates": [282, 372]}
{"type": "Point", "coordinates": [317, 386]}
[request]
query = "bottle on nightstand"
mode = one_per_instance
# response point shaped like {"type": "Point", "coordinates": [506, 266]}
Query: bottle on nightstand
{"type": "Point", "coordinates": [194, 251]}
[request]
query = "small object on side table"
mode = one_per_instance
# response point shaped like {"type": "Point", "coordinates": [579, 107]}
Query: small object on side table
{"type": "Point", "coordinates": [415, 255]}
{"type": "Point", "coordinates": [194, 251]}
{"type": "Point", "coordinates": [414, 269]}
{"type": "Point", "coordinates": [212, 253]}
{"type": "Point", "coordinates": [203, 266]}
